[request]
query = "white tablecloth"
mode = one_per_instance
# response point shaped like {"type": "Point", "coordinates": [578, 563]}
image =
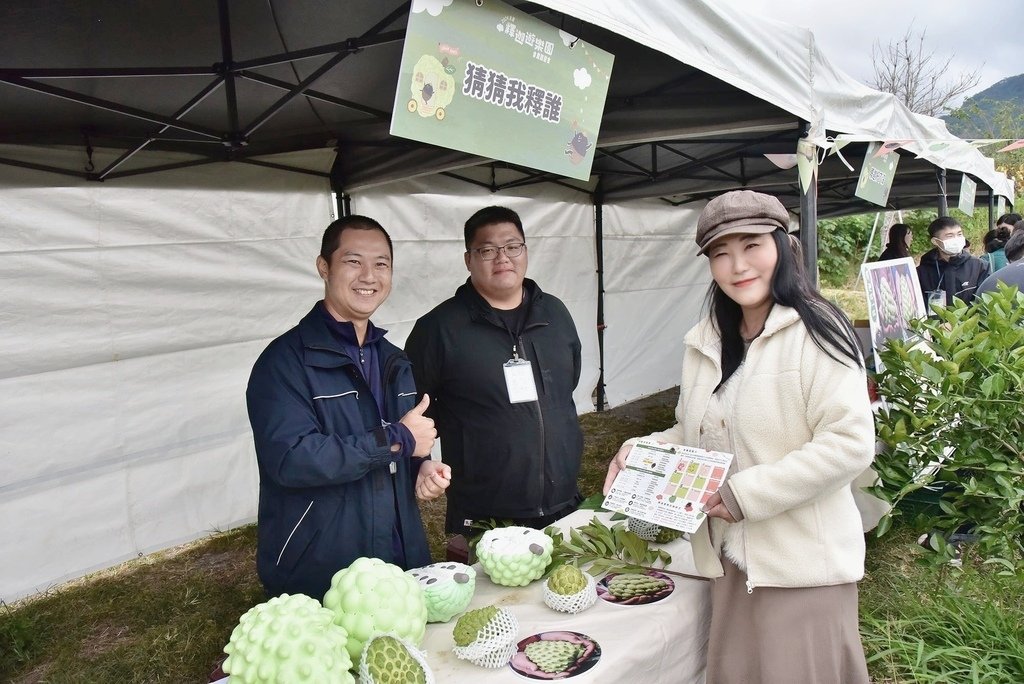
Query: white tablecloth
{"type": "Point", "coordinates": [658, 642]}
{"type": "Point", "coordinates": [664, 641]}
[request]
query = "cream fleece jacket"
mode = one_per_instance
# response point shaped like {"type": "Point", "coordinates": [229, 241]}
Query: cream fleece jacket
{"type": "Point", "coordinates": [802, 432]}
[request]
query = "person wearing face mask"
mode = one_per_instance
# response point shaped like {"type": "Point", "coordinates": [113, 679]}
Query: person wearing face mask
{"type": "Point", "coordinates": [948, 270]}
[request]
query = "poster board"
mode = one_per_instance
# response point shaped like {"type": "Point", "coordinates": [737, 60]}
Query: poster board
{"type": "Point", "coordinates": [894, 299]}
{"type": "Point", "coordinates": [488, 79]}
{"type": "Point", "coordinates": [876, 175]}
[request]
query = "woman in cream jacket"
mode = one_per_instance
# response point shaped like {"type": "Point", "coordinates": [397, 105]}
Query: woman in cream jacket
{"type": "Point", "coordinates": [774, 376]}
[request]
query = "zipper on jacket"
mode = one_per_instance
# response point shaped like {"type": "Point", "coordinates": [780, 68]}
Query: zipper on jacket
{"type": "Point", "coordinates": [543, 441]}
{"type": "Point", "coordinates": [735, 455]}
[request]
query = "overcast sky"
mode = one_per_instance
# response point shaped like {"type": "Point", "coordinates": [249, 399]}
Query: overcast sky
{"type": "Point", "coordinates": [981, 34]}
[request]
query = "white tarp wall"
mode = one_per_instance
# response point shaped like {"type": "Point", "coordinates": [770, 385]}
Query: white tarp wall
{"type": "Point", "coordinates": [425, 218]}
{"type": "Point", "coordinates": [130, 316]}
{"type": "Point", "coordinates": [655, 284]}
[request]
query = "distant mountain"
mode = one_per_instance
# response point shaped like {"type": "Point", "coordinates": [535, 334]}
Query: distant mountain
{"type": "Point", "coordinates": [977, 116]}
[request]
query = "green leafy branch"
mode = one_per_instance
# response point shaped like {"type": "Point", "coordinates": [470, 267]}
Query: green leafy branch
{"type": "Point", "coordinates": [598, 549]}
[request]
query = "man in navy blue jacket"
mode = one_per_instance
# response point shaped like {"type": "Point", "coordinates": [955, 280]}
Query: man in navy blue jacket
{"type": "Point", "coordinates": [343, 448]}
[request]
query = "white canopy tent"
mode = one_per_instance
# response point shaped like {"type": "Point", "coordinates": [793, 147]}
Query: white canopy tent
{"type": "Point", "coordinates": [132, 310]}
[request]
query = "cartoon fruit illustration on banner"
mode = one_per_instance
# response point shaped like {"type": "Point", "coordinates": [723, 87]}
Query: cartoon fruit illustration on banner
{"type": "Point", "coordinates": [371, 597]}
{"type": "Point", "coordinates": [290, 638]}
{"type": "Point", "coordinates": [433, 88]}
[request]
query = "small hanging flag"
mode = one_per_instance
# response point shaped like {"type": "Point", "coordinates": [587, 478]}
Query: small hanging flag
{"type": "Point", "coordinates": [890, 145]}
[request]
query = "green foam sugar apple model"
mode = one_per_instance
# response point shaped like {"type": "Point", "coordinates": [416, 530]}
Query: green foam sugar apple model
{"type": "Point", "coordinates": [629, 585]}
{"type": "Point", "coordinates": [447, 587]}
{"type": "Point", "coordinates": [371, 597]}
{"type": "Point", "coordinates": [553, 656]}
{"type": "Point", "coordinates": [514, 556]}
{"type": "Point", "coordinates": [567, 580]}
{"type": "Point", "coordinates": [290, 638]}
{"type": "Point", "coordinates": [386, 660]}
{"type": "Point", "coordinates": [469, 626]}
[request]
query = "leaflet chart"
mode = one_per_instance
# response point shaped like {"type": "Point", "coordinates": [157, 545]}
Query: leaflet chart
{"type": "Point", "coordinates": [667, 484]}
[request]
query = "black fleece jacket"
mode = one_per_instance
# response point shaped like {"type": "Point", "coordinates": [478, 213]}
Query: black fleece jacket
{"type": "Point", "coordinates": [958, 277]}
{"type": "Point", "coordinates": [508, 460]}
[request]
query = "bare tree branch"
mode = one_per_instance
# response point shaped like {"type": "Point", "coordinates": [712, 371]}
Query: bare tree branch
{"type": "Point", "coordinates": [911, 72]}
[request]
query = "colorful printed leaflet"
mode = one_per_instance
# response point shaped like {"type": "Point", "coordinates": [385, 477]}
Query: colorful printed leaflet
{"type": "Point", "coordinates": [667, 484]}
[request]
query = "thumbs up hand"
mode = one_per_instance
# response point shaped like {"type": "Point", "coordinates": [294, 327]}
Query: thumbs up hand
{"type": "Point", "coordinates": [421, 427]}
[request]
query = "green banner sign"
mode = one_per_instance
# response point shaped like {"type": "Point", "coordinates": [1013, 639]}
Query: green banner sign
{"type": "Point", "coordinates": [876, 175]}
{"type": "Point", "coordinates": [489, 80]}
{"type": "Point", "coordinates": [968, 188]}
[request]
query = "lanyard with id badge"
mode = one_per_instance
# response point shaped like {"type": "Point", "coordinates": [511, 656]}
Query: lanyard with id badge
{"type": "Point", "coordinates": [519, 379]}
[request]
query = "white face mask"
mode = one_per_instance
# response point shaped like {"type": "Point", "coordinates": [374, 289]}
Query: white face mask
{"type": "Point", "coordinates": [954, 245]}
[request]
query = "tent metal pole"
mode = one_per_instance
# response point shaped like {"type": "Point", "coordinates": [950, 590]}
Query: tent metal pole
{"type": "Point", "coordinates": [312, 78]}
{"type": "Point", "coordinates": [599, 244]}
{"type": "Point", "coordinates": [228, 60]}
{"type": "Point", "coordinates": [98, 103]}
{"type": "Point", "coordinates": [940, 177]}
{"type": "Point", "coordinates": [202, 95]}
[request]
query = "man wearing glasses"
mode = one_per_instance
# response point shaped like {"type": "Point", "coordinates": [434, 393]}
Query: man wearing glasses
{"type": "Point", "coordinates": [500, 360]}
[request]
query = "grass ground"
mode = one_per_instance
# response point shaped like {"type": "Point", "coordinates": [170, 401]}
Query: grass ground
{"type": "Point", "coordinates": [166, 617]}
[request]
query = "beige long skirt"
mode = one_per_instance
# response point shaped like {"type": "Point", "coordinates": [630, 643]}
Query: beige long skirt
{"type": "Point", "coordinates": [783, 636]}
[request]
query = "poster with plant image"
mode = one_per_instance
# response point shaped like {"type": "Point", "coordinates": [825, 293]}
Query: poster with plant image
{"type": "Point", "coordinates": [894, 299]}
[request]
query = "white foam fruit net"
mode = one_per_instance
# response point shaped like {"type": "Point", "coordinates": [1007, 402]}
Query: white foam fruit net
{"type": "Point", "coordinates": [572, 603]}
{"type": "Point", "coordinates": [364, 671]}
{"type": "Point", "coordinates": [495, 643]}
{"type": "Point", "coordinates": [643, 529]}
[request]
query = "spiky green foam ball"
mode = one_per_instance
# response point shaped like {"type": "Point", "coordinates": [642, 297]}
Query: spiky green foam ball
{"type": "Point", "coordinates": [288, 639]}
{"type": "Point", "coordinates": [372, 597]}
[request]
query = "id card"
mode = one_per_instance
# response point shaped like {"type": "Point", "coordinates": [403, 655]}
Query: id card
{"type": "Point", "coordinates": [934, 297]}
{"type": "Point", "coordinates": [519, 381]}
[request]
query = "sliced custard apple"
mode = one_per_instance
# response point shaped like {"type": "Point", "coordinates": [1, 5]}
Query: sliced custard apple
{"type": "Point", "coordinates": [553, 656]}
{"type": "Point", "coordinates": [629, 585]}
